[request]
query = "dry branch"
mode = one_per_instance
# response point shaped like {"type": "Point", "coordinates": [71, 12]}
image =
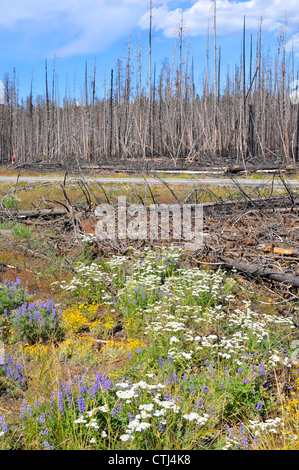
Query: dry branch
{"type": "Point", "coordinates": [33, 214]}
{"type": "Point", "coordinates": [257, 271]}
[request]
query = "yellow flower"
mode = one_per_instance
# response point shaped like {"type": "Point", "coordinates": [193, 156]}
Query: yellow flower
{"type": "Point", "coordinates": [37, 351]}
{"type": "Point", "coordinates": [74, 319]}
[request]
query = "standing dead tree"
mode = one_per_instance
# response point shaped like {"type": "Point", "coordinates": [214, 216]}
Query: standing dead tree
{"type": "Point", "coordinates": [246, 118]}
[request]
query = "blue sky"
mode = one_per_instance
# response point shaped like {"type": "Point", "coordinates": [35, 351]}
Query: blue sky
{"type": "Point", "coordinates": [76, 31]}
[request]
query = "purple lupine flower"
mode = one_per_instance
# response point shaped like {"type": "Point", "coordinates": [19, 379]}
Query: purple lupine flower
{"type": "Point", "coordinates": [170, 359]}
{"type": "Point", "coordinates": [255, 442]}
{"type": "Point", "coordinates": [9, 372]}
{"type": "Point", "coordinates": [83, 389]}
{"type": "Point", "coordinates": [162, 428]}
{"type": "Point", "coordinates": [245, 444]}
{"type": "Point", "coordinates": [26, 409]}
{"type": "Point", "coordinates": [117, 409]}
{"type": "Point", "coordinates": [106, 382]}
{"type": "Point", "coordinates": [9, 359]}
{"type": "Point", "coordinates": [3, 423]}
{"type": "Point", "coordinates": [230, 431]}
{"type": "Point", "coordinates": [259, 406]}
{"type": "Point", "coordinates": [47, 445]}
{"type": "Point", "coordinates": [242, 429]}
{"type": "Point", "coordinates": [68, 393]}
{"type": "Point", "coordinates": [81, 404]}
{"type": "Point", "coordinates": [205, 389]}
{"type": "Point", "coordinates": [262, 368]}
{"type": "Point", "coordinates": [41, 418]}
{"type": "Point", "coordinates": [199, 403]}
{"type": "Point", "coordinates": [160, 361]}
{"type": "Point", "coordinates": [60, 402]}
{"type": "Point", "coordinates": [131, 416]}
{"type": "Point", "coordinates": [93, 390]}
{"type": "Point", "coordinates": [37, 316]}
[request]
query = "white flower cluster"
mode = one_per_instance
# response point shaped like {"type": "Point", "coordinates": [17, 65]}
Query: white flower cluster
{"type": "Point", "coordinates": [117, 262]}
{"type": "Point", "coordinates": [86, 278]}
{"type": "Point", "coordinates": [130, 391]}
{"type": "Point", "coordinates": [164, 323]}
{"type": "Point", "coordinates": [158, 408]}
{"type": "Point", "coordinates": [270, 425]}
{"type": "Point", "coordinates": [159, 262]}
{"type": "Point", "coordinates": [147, 282]}
{"type": "Point", "coordinates": [87, 237]}
{"type": "Point", "coordinates": [192, 282]}
{"type": "Point", "coordinates": [275, 359]}
{"type": "Point", "coordinates": [89, 421]}
{"type": "Point", "coordinates": [200, 420]}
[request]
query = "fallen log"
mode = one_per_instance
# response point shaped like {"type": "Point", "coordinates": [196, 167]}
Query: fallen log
{"type": "Point", "coordinates": [257, 271]}
{"type": "Point", "coordinates": [30, 214]}
{"type": "Point", "coordinates": [278, 251]}
{"type": "Point", "coordinates": [8, 266]}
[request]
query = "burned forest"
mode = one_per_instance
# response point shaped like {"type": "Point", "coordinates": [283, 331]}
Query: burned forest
{"type": "Point", "coordinates": [149, 247]}
{"type": "Point", "coordinates": [246, 117]}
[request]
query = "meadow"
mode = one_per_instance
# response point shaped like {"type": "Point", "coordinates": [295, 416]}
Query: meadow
{"type": "Point", "coordinates": [141, 351]}
{"type": "Point", "coordinates": [145, 353]}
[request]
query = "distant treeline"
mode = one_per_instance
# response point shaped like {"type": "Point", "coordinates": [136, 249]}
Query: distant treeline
{"type": "Point", "coordinates": [249, 116]}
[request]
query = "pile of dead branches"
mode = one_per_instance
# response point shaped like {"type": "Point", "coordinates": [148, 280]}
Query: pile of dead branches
{"type": "Point", "coordinates": [250, 232]}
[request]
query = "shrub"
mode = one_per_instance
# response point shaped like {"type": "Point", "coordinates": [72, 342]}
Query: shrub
{"type": "Point", "coordinates": [12, 295]}
{"type": "Point", "coordinates": [10, 202]}
{"type": "Point", "coordinates": [38, 322]}
{"type": "Point", "coordinates": [12, 377]}
{"type": "Point", "coordinates": [21, 231]}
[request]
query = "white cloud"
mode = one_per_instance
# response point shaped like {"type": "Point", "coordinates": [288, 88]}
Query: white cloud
{"type": "Point", "coordinates": [71, 27]}
{"type": "Point", "coordinates": [230, 16]}
{"type": "Point", "coordinates": [85, 26]}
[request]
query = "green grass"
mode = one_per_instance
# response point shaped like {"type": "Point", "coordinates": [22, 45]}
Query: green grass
{"type": "Point", "coordinates": [21, 231]}
{"type": "Point", "coordinates": [17, 229]}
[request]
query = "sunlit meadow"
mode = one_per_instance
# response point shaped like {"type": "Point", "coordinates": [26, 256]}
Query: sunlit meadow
{"type": "Point", "coordinates": [145, 352]}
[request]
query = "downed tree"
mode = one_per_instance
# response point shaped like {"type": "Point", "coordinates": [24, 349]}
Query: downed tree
{"type": "Point", "coordinates": [36, 213]}
{"type": "Point", "coordinates": [255, 270]}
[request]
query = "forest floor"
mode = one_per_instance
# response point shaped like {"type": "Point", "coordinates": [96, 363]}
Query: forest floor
{"type": "Point", "coordinates": [142, 344]}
